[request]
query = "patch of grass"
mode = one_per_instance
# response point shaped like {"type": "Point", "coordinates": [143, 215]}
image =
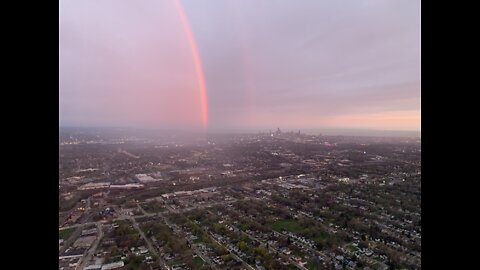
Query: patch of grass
{"type": "Point", "coordinates": [297, 253]}
{"type": "Point", "coordinates": [314, 265]}
{"type": "Point", "coordinates": [198, 262]}
{"type": "Point", "coordinates": [153, 207]}
{"type": "Point", "coordinates": [321, 237]}
{"type": "Point", "coordinates": [290, 225]}
{"type": "Point", "coordinates": [65, 234]}
{"type": "Point", "coordinates": [352, 248]}
{"type": "Point", "coordinates": [176, 261]}
{"type": "Point", "coordinates": [198, 240]}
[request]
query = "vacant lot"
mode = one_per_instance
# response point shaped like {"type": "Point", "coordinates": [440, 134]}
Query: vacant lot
{"type": "Point", "coordinates": [65, 234]}
{"type": "Point", "coordinates": [287, 225]}
{"type": "Point", "coordinates": [153, 207]}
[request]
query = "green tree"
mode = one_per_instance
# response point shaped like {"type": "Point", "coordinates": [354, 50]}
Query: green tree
{"type": "Point", "coordinates": [242, 245]}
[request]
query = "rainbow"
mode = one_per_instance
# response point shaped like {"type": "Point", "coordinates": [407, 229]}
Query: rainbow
{"type": "Point", "coordinates": [197, 61]}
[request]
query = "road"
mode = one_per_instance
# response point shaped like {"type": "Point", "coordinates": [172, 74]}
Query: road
{"type": "Point", "coordinates": [194, 247]}
{"type": "Point", "coordinates": [86, 258]}
{"type": "Point", "coordinates": [120, 217]}
{"type": "Point", "coordinates": [233, 254]}
{"type": "Point", "coordinates": [70, 240]}
{"type": "Point", "coordinates": [274, 251]}
{"type": "Point", "coordinates": [145, 214]}
{"type": "Point", "coordinates": [198, 252]}
{"type": "Point", "coordinates": [162, 263]}
{"type": "Point", "coordinates": [201, 206]}
{"type": "Point", "coordinates": [270, 248]}
{"type": "Point", "coordinates": [203, 256]}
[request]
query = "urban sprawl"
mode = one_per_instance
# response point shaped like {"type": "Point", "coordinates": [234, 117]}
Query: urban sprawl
{"type": "Point", "coordinates": [272, 200]}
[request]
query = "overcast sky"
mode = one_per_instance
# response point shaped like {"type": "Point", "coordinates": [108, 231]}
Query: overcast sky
{"type": "Point", "coordinates": [290, 64]}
